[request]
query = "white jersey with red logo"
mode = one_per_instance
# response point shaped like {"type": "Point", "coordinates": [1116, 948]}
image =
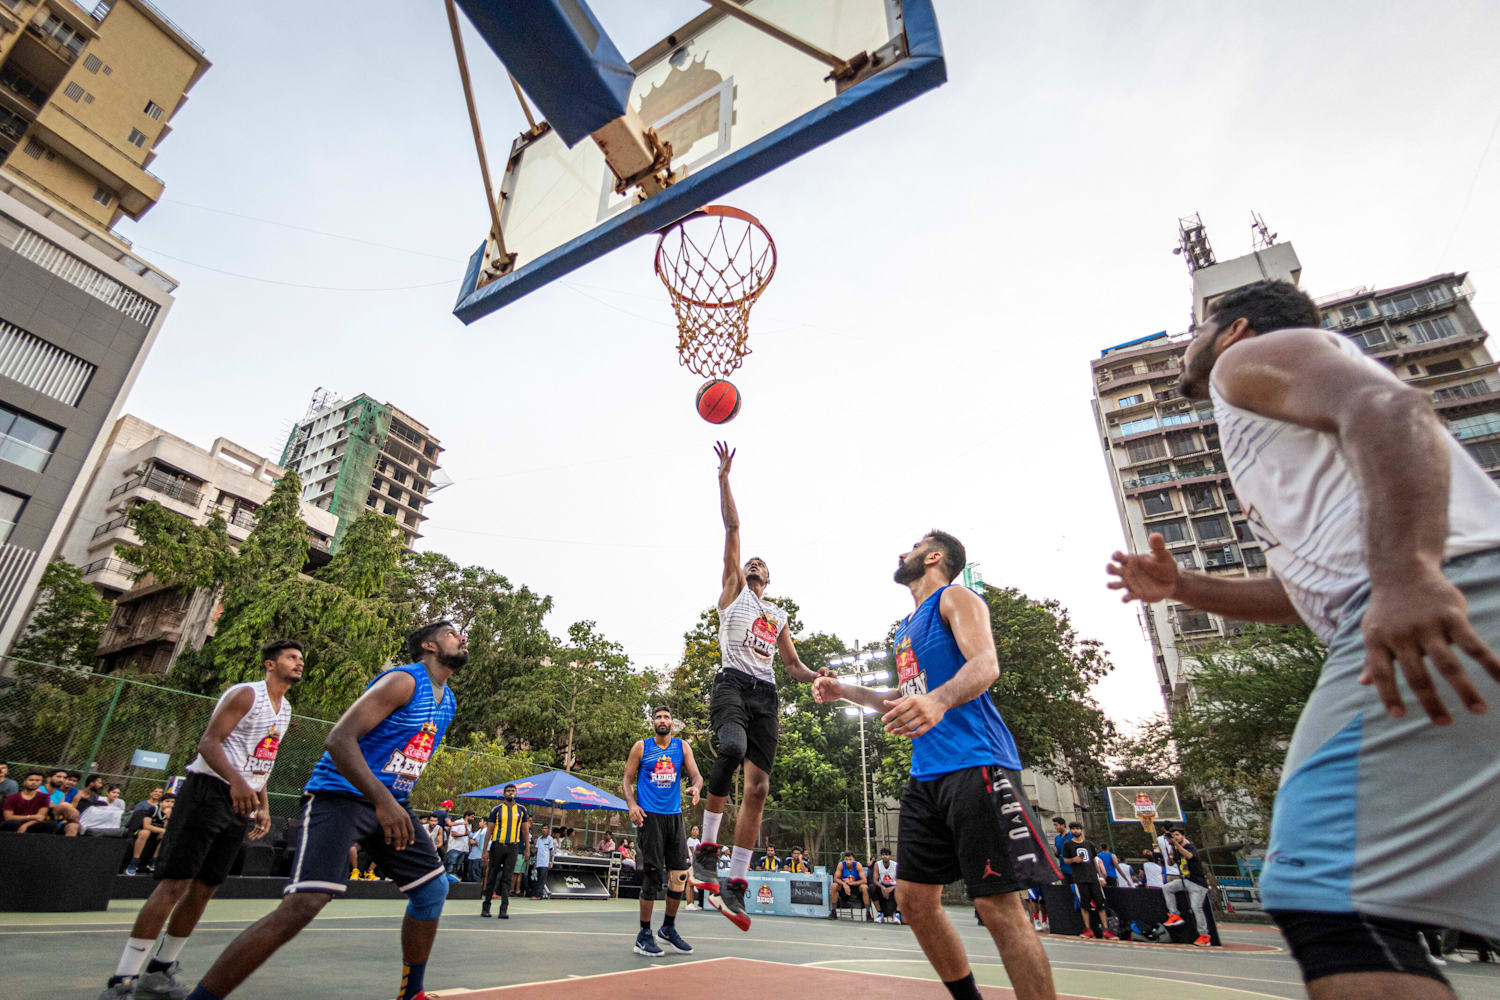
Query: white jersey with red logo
{"type": "Point", "coordinates": [748, 631]}
{"type": "Point", "coordinates": [251, 746]}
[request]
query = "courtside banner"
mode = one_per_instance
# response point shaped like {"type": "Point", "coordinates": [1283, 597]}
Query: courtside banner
{"type": "Point", "coordinates": [781, 894]}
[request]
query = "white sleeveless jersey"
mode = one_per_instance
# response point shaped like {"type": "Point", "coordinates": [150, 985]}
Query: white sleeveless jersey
{"type": "Point", "coordinates": [885, 872]}
{"type": "Point", "coordinates": [748, 631]}
{"type": "Point", "coordinates": [1304, 504]}
{"type": "Point", "coordinates": [251, 746]}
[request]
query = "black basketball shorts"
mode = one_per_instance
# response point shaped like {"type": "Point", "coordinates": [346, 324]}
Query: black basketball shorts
{"type": "Point", "coordinates": [331, 822]}
{"type": "Point", "coordinates": [975, 824]}
{"type": "Point", "coordinates": [663, 849]}
{"type": "Point", "coordinates": [204, 835]}
{"type": "Point", "coordinates": [738, 697]}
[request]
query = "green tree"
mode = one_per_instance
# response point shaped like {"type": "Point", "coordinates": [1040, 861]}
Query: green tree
{"type": "Point", "coordinates": [68, 621]}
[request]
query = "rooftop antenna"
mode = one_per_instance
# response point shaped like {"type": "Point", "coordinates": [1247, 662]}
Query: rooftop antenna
{"type": "Point", "coordinates": [1261, 237]}
{"type": "Point", "coordinates": [1192, 243]}
{"type": "Point", "coordinates": [318, 403]}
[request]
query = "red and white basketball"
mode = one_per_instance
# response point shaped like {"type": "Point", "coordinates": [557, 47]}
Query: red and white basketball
{"type": "Point", "coordinates": [718, 401]}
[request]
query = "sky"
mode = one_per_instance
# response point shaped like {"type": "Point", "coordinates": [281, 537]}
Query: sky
{"type": "Point", "coordinates": [921, 359]}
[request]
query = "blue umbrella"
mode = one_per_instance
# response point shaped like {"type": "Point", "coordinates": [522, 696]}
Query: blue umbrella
{"type": "Point", "coordinates": [555, 788]}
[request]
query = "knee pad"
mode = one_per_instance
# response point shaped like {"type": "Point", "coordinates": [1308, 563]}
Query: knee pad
{"type": "Point", "coordinates": [676, 884]}
{"type": "Point", "coordinates": [732, 744]}
{"type": "Point", "coordinates": [425, 902]}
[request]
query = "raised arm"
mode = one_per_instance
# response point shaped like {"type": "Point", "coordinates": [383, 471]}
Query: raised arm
{"type": "Point", "coordinates": [227, 715]}
{"type": "Point", "coordinates": [1398, 452]}
{"type": "Point", "coordinates": [734, 575]}
{"type": "Point", "coordinates": [695, 778]}
{"type": "Point", "coordinates": [1155, 576]}
{"type": "Point", "coordinates": [632, 769]}
{"type": "Point", "coordinates": [968, 617]}
{"type": "Point", "coordinates": [381, 699]}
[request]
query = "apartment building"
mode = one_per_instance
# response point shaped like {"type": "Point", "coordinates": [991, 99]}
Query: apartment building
{"type": "Point", "coordinates": [151, 624]}
{"type": "Point", "coordinates": [360, 454]}
{"type": "Point", "coordinates": [1162, 451]}
{"type": "Point", "coordinates": [86, 95]}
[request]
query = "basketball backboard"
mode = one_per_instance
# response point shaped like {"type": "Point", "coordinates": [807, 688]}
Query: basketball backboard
{"type": "Point", "coordinates": [732, 102]}
{"type": "Point", "coordinates": [1132, 803]}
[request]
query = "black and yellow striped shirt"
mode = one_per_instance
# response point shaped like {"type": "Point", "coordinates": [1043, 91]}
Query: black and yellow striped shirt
{"type": "Point", "coordinates": [506, 821]}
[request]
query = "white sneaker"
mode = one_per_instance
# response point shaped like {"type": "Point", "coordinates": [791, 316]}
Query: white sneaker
{"type": "Point", "coordinates": [1036, 925]}
{"type": "Point", "coordinates": [880, 918]}
{"type": "Point", "coordinates": [1436, 960]}
{"type": "Point", "coordinates": [1454, 956]}
{"type": "Point", "coordinates": [692, 906]}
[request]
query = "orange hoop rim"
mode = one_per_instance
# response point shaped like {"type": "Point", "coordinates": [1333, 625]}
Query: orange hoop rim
{"type": "Point", "coordinates": [728, 212]}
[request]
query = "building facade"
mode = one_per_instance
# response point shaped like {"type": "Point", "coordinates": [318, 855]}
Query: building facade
{"type": "Point", "coordinates": [86, 95]}
{"type": "Point", "coordinates": [1162, 451]}
{"type": "Point", "coordinates": [359, 454]}
{"type": "Point", "coordinates": [150, 624]}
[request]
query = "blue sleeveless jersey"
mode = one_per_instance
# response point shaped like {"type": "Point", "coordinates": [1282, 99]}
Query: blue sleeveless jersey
{"type": "Point", "coordinates": [401, 745]}
{"type": "Point", "coordinates": [971, 734]}
{"type": "Point", "coordinates": [658, 785]}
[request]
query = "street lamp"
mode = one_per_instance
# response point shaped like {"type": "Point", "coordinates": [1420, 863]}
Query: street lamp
{"type": "Point", "coordinates": [866, 677]}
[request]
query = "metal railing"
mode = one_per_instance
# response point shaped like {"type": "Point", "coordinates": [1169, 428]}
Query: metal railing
{"type": "Point", "coordinates": [231, 514]}
{"type": "Point", "coordinates": [1490, 425]}
{"type": "Point", "coordinates": [1169, 477]}
{"type": "Point", "coordinates": [111, 525]}
{"type": "Point", "coordinates": [1467, 390]}
{"type": "Point", "coordinates": [163, 484]}
{"type": "Point", "coordinates": [1180, 418]}
{"type": "Point", "coordinates": [111, 565]}
{"type": "Point", "coordinates": [60, 49]}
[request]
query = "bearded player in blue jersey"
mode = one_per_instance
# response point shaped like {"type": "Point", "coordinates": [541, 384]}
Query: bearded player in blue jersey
{"type": "Point", "coordinates": [964, 813]}
{"type": "Point", "coordinates": [357, 795]}
{"type": "Point", "coordinates": [653, 790]}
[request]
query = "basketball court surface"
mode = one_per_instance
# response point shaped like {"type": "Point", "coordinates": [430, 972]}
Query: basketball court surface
{"type": "Point", "coordinates": [582, 951]}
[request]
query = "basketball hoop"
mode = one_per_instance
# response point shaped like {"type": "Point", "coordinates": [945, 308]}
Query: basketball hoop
{"type": "Point", "coordinates": [714, 274]}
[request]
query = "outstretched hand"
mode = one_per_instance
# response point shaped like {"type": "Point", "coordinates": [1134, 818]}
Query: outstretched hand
{"type": "Point", "coordinates": [826, 688]}
{"type": "Point", "coordinates": [726, 457]}
{"type": "Point", "coordinates": [1150, 577]}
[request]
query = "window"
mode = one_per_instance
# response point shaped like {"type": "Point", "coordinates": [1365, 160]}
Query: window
{"type": "Point", "coordinates": [26, 442]}
{"type": "Point", "coordinates": [1445, 367]}
{"type": "Point", "coordinates": [1138, 426]}
{"type": "Point", "coordinates": [390, 508]}
{"type": "Point", "coordinates": [92, 63]}
{"type": "Point", "coordinates": [1193, 620]}
{"type": "Point", "coordinates": [11, 505]}
{"type": "Point", "coordinates": [1202, 497]}
{"type": "Point", "coordinates": [1242, 531]}
{"type": "Point", "coordinates": [1210, 528]}
{"type": "Point", "coordinates": [154, 110]}
{"type": "Point", "coordinates": [1157, 503]}
{"type": "Point", "coordinates": [43, 366]}
{"type": "Point", "coordinates": [1329, 320]}
{"type": "Point", "coordinates": [1372, 339]}
{"type": "Point", "coordinates": [1359, 311]}
{"type": "Point", "coordinates": [137, 138]}
{"type": "Point", "coordinates": [1479, 425]}
{"type": "Point", "coordinates": [1184, 442]}
{"type": "Point", "coordinates": [73, 92]}
{"type": "Point", "coordinates": [372, 500]}
{"type": "Point", "coordinates": [63, 34]}
{"type": "Point", "coordinates": [1146, 450]}
{"type": "Point", "coordinates": [1172, 419]}
{"type": "Point", "coordinates": [1486, 453]}
{"type": "Point", "coordinates": [1414, 299]}
{"type": "Point", "coordinates": [1172, 531]}
{"type": "Point", "coordinates": [1429, 330]}
{"type": "Point", "coordinates": [1214, 558]}
{"type": "Point", "coordinates": [1231, 501]}
{"type": "Point", "coordinates": [1131, 400]}
{"type": "Point", "coordinates": [1186, 560]}
{"type": "Point", "coordinates": [103, 195]}
{"type": "Point", "coordinates": [1254, 558]}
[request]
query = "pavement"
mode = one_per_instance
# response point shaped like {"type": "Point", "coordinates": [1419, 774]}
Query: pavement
{"type": "Point", "coordinates": [352, 952]}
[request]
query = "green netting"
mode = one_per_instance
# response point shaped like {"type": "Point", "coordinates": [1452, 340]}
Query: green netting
{"type": "Point", "coordinates": [369, 422]}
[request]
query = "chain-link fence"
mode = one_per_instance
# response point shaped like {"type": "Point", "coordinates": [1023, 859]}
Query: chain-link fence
{"type": "Point", "coordinates": [95, 723]}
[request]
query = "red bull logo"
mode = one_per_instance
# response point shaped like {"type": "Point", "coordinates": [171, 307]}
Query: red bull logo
{"type": "Point", "coordinates": [586, 793]}
{"type": "Point", "coordinates": [764, 896]}
{"type": "Point", "coordinates": [523, 785]}
{"type": "Point", "coordinates": [423, 742]}
{"type": "Point", "coordinates": [266, 748]}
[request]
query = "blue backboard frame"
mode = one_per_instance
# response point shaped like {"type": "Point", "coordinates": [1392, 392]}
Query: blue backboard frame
{"type": "Point", "coordinates": [922, 70]}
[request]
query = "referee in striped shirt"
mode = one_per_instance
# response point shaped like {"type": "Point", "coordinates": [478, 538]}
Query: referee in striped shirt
{"type": "Point", "coordinates": [509, 826]}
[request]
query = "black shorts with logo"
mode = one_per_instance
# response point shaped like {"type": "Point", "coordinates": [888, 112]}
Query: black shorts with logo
{"type": "Point", "coordinates": [204, 835]}
{"type": "Point", "coordinates": [331, 823]}
{"type": "Point", "coordinates": [663, 849]}
{"type": "Point", "coordinates": [975, 824]}
{"type": "Point", "coordinates": [738, 697]}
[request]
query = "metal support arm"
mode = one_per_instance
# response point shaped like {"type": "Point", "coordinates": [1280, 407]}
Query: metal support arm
{"type": "Point", "coordinates": [841, 68]}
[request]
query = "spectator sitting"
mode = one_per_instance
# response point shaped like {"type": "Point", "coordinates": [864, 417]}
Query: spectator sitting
{"type": "Point", "coordinates": [625, 857]}
{"type": "Point", "coordinates": [91, 793]}
{"type": "Point", "coordinates": [565, 839]}
{"type": "Point", "coordinates": [148, 834]}
{"type": "Point", "coordinates": [797, 864]}
{"type": "Point", "coordinates": [61, 791]}
{"type": "Point", "coordinates": [1151, 871]}
{"type": "Point", "coordinates": [150, 804]}
{"type": "Point", "coordinates": [849, 877]}
{"type": "Point", "coordinates": [8, 784]}
{"type": "Point", "coordinates": [769, 862]}
{"type": "Point", "coordinates": [27, 809]}
{"type": "Point", "coordinates": [104, 817]}
{"type": "Point", "coordinates": [606, 845]}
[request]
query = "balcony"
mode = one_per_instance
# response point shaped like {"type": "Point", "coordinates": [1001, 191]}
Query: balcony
{"type": "Point", "coordinates": [110, 573]}
{"type": "Point", "coordinates": [1206, 472]}
{"type": "Point", "coordinates": [161, 626]}
{"type": "Point", "coordinates": [66, 51]}
{"type": "Point", "coordinates": [1408, 348]}
{"type": "Point", "coordinates": [1141, 373]}
{"type": "Point", "coordinates": [1466, 394]}
{"type": "Point", "coordinates": [157, 481]}
{"type": "Point", "coordinates": [1160, 425]}
{"type": "Point", "coordinates": [235, 517]}
{"type": "Point", "coordinates": [1478, 428]}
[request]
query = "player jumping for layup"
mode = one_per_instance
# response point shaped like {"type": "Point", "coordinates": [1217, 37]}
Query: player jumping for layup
{"type": "Point", "coordinates": [964, 813]}
{"type": "Point", "coordinates": [743, 708]}
{"type": "Point", "coordinates": [357, 795]}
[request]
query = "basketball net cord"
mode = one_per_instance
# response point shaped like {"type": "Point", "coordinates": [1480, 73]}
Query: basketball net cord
{"type": "Point", "coordinates": [714, 275]}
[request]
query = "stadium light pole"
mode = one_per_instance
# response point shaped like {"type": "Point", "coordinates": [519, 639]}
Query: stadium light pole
{"type": "Point", "coordinates": [862, 659]}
